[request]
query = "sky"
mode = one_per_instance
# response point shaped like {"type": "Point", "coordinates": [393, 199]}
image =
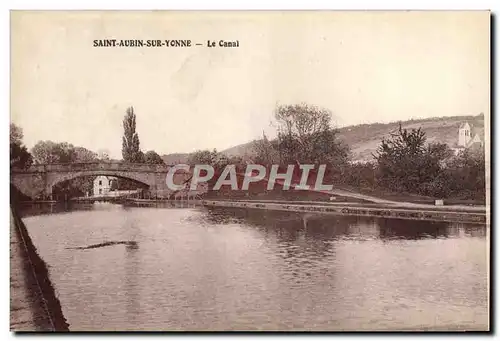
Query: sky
{"type": "Point", "coordinates": [363, 66]}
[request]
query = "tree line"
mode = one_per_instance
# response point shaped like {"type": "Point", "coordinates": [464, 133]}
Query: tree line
{"type": "Point", "coordinates": [49, 152]}
{"type": "Point", "coordinates": [404, 162]}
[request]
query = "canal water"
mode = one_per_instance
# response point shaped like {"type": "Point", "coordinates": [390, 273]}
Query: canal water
{"type": "Point", "coordinates": [191, 268]}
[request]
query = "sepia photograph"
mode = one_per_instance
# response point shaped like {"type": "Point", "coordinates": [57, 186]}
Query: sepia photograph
{"type": "Point", "coordinates": [251, 171]}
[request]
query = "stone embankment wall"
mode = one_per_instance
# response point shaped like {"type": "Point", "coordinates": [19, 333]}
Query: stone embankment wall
{"type": "Point", "coordinates": [34, 306]}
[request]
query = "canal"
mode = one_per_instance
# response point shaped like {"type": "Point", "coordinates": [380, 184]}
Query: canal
{"type": "Point", "coordinates": [191, 268]}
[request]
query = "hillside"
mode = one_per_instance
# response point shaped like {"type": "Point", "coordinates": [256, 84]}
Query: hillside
{"type": "Point", "coordinates": [364, 139]}
{"type": "Point", "coordinates": [241, 150]}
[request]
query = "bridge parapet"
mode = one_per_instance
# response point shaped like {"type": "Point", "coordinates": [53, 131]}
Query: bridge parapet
{"type": "Point", "coordinates": [105, 166]}
{"type": "Point", "coordinates": [38, 180]}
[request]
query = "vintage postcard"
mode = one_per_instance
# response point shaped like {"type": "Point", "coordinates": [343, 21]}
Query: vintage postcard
{"type": "Point", "coordinates": [250, 171]}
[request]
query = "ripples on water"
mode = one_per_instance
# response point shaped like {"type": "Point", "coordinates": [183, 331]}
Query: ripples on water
{"type": "Point", "coordinates": [199, 269]}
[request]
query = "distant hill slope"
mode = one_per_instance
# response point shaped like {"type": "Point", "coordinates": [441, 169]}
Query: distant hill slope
{"type": "Point", "coordinates": [364, 139]}
{"type": "Point", "coordinates": [241, 150]}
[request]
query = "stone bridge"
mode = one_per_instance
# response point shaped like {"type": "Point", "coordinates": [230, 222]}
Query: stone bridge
{"type": "Point", "coordinates": [38, 180]}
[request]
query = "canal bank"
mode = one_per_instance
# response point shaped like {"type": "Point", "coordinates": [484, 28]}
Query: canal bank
{"type": "Point", "coordinates": [457, 214]}
{"type": "Point", "coordinates": [34, 306]}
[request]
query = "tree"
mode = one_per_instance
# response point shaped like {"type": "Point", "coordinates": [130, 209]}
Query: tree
{"type": "Point", "coordinates": [19, 155]}
{"type": "Point", "coordinates": [42, 152]}
{"type": "Point", "coordinates": [75, 187]}
{"type": "Point", "coordinates": [153, 157]}
{"type": "Point", "coordinates": [103, 155]}
{"type": "Point", "coordinates": [48, 152]}
{"type": "Point", "coordinates": [237, 161]}
{"type": "Point", "coordinates": [82, 185]}
{"type": "Point", "coordinates": [466, 175]}
{"type": "Point", "coordinates": [217, 160]}
{"type": "Point", "coordinates": [203, 157]}
{"type": "Point", "coordinates": [16, 134]}
{"type": "Point", "coordinates": [360, 175]}
{"type": "Point", "coordinates": [305, 134]}
{"type": "Point", "coordinates": [126, 184]}
{"type": "Point", "coordinates": [131, 151]}
{"type": "Point", "coordinates": [84, 155]}
{"type": "Point", "coordinates": [141, 157]}
{"type": "Point", "coordinates": [398, 159]}
{"type": "Point", "coordinates": [406, 164]}
{"type": "Point", "coordinates": [114, 184]}
{"type": "Point", "coordinates": [266, 151]}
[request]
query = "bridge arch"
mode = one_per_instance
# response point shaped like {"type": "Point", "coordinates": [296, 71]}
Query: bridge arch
{"type": "Point", "coordinates": [123, 175]}
{"type": "Point", "coordinates": [39, 180]}
{"type": "Point", "coordinates": [68, 177]}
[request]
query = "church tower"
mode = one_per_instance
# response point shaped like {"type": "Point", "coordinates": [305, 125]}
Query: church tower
{"type": "Point", "coordinates": [464, 134]}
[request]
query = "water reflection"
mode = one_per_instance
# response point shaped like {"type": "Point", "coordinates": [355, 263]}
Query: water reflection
{"type": "Point", "coordinates": [290, 226]}
{"type": "Point", "coordinates": [36, 208]}
{"type": "Point", "coordinates": [398, 229]}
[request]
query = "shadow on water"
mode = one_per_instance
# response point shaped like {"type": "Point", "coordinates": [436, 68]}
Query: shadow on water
{"type": "Point", "coordinates": [35, 209]}
{"type": "Point", "coordinates": [132, 278]}
{"type": "Point", "coordinates": [27, 209]}
{"type": "Point", "coordinates": [291, 226]}
{"type": "Point", "coordinates": [304, 240]}
{"type": "Point", "coordinates": [414, 230]}
{"type": "Point", "coordinates": [130, 244]}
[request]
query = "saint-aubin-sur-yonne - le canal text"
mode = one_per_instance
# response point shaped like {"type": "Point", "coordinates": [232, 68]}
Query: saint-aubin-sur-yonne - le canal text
{"type": "Point", "coordinates": [176, 43]}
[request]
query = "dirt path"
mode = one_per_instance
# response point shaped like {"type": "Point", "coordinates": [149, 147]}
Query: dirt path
{"type": "Point", "coordinates": [27, 307]}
